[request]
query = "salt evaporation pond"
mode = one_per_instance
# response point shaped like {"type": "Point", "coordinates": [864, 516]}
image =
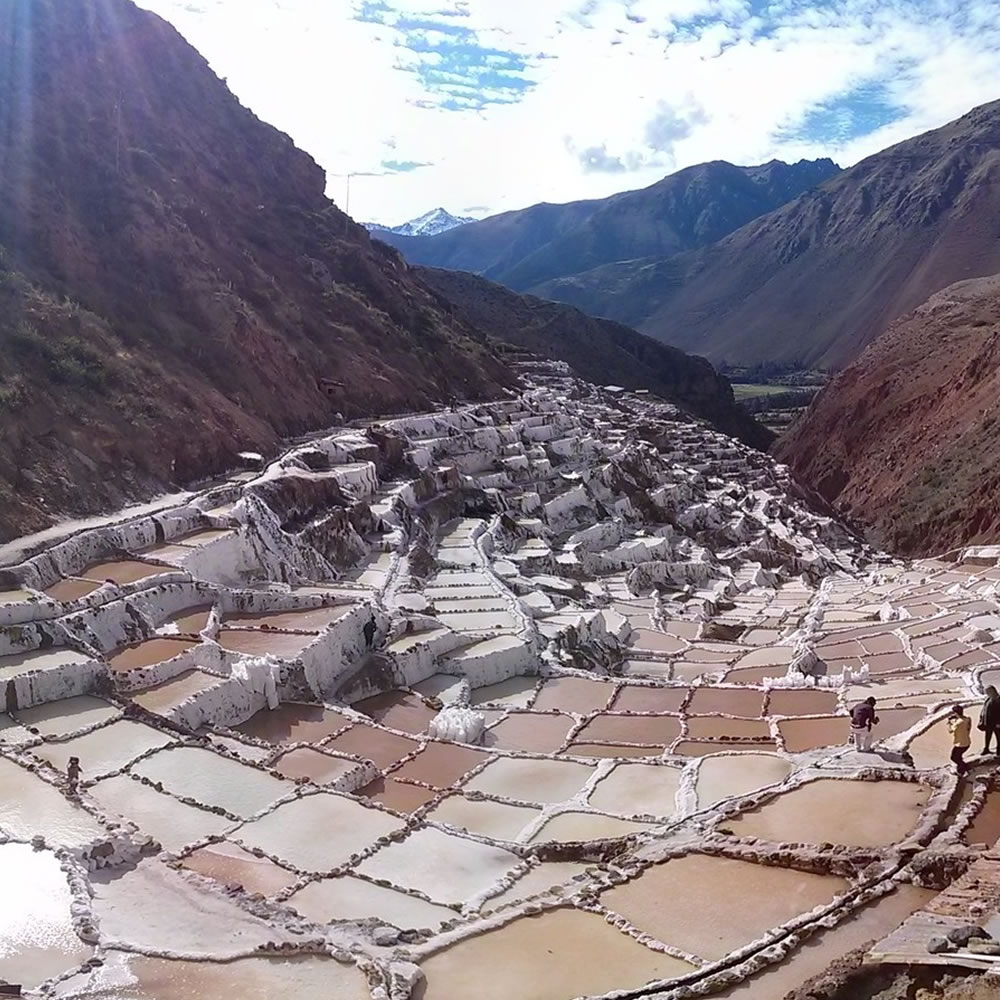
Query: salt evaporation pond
{"type": "Point", "coordinates": [37, 938]}
{"type": "Point", "coordinates": [623, 671]}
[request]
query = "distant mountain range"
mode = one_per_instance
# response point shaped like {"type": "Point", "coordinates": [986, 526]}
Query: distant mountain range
{"type": "Point", "coordinates": [688, 209]}
{"type": "Point", "coordinates": [432, 223]}
{"type": "Point", "coordinates": [821, 277]}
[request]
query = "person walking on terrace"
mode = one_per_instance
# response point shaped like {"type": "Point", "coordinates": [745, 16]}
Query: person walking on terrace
{"type": "Point", "coordinates": [73, 776]}
{"type": "Point", "coordinates": [960, 727]}
{"type": "Point", "coordinates": [989, 719]}
{"type": "Point", "coordinates": [863, 720]}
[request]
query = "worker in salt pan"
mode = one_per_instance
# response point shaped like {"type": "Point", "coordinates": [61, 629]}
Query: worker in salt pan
{"type": "Point", "coordinates": [863, 720]}
{"type": "Point", "coordinates": [73, 775]}
{"type": "Point", "coordinates": [989, 719]}
{"type": "Point", "coordinates": [960, 727]}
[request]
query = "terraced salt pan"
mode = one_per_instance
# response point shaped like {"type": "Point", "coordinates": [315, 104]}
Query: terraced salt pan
{"type": "Point", "coordinates": [136, 977]}
{"type": "Point", "coordinates": [37, 939]}
{"type": "Point", "coordinates": [350, 898]}
{"type": "Point", "coordinates": [441, 764]}
{"type": "Point", "coordinates": [148, 653]}
{"type": "Point", "coordinates": [530, 779]}
{"type": "Point", "coordinates": [211, 779]}
{"type": "Point", "coordinates": [70, 590]}
{"type": "Point", "coordinates": [446, 868]}
{"type": "Point", "coordinates": [382, 748]}
{"type": "Point", "coordinates": [14, 596]}
{"type": "Point", "coordinates": [540, 879]}
{"type": "Point", "coordinates": [633, 698]}
{"type": "Point", "coordinates": [820, 950]}
{"type": "Point", "coordinates": [293, 722]}
{"type": "Point", "coordinates": [731, 902]}
{"type": "Point", "coordinates": [400, 710]}
{"type": "Point", "coordinates": [170, 822]}
{"type": "Point", "coordinates": [535, 732]}
{"type": "Point", "coordinates": [152, 907]}
{"type": "Point", "coordinates": [601, 750]}
{"type": "Point", "coordinates": [229, 864]}
{"type": "Point", "coordinates": [13, 733]}
{"type": "Point", "coordinates": [715, 727]}
{"type": "Point", "coordinates": [398, 795]}
{"type": "Point", "coordinates": [515, 692]}
{"type": "Point", "coordinates": [496, 820]}
{"type": "Point", "coordinates": [30, 806]}
{"type": "Point", "coordinates": [122, 571]}
{"type": "Point", "coordinates": [289, 832]}
{"type": "Point", "coordinates": [728, 776]}
{"type": "Point", "coordinates": [856, 813]}
{"type": "Point", "coordinates": [573, 694]}
{"type": "Point", "coordinates": [634, 789]}
{"type": "Point", "coordinates": [652, 730]}
{"type": "Point", "coordinates": [313, 765]}
{"type": "Point", "coordinates": [932, 748]}
{"type": "Point", "coordinates": [191, 620]}
{"type": "Point", "coordinates": [162, 699]}
{"type": "Point", "coordinates": [580, 827]}
{"type": "Point", "coordinates": [312, 620]}
{"type": "Point", "coordinates": [18, 664]}
{"type": "Point", "coordinates": [558, 955]}
{"type": "Point", "coordinates": [104, 750]}
{"type": "Point", "coordinates": [695, 748]}
{"type": "Point", "coordinates": [70, 715]}
{"type": "Point", "coordinates": [261, 643]}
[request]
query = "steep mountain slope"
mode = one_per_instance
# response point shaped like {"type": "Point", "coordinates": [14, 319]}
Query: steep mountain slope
{"type": "Point", "coordinates": [431, 223]}
{"type": "Point", "coordinates": [688, 209]}
{"type": "Point", "coordinates": [907, 439]}
{"type": "Point", "coordinates": [818, 279]}
{"type": "Point", "coordinates": [599, 350]}
{"type": "Point", "coordinates": [175, 286]}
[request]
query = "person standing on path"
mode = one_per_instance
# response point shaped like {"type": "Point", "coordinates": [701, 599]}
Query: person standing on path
{"type": "Point", "coordinates": [989, 719]}
{"type": "Point", "coordinates": [960, 727]}
{"type": "Point", "coordinates": [863, 719]}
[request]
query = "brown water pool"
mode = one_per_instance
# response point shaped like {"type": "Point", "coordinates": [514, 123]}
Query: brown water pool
{"type": "Point", "coordinates": [793, 702]}
{"type": "Point", "coordinates": [260, 643]}
{"type": "Point", "coordinates": [535, 731]}
{"type": "Point", "coordinates": [729, 701]}
{"type": "Point", "coordinates": [573, 694]}
{"type": "Point", "coordinates": [398, 795]}
{"type": "Point", "coordinates": [541, 958]}
{"type": "Point", "coordinates": [635, 698]}
{"type": "Point", "coordinates": [654, 730]}
{"type": "Point", "coordinates": [229, 864]}
{"type": "Point", "coordinates": [294, 723]}
{"type": "Point", "coordinates": [400, 710]}
{"type": "Point", "coordinates": [727, 903]}
{"type": "Point", "coordinates": [382, 748]}
{"type": "Point", "coordinates": [441, 764]}
{"type": "Point", "coordinates": [313, 765]}
{"type": "Point", "coordinates": [148, 653]}
{"type": "Point", "coordinates": [856, 813]}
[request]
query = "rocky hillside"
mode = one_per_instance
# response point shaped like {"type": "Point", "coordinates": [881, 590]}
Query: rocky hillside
{"type": "Point", "coordinates": [174, 284]}
{"type": "Point", "coordinates": [599, 350]}
{"type": "Point", "coordinates": [688, 209]}
{"type": "Point", "coordinates": [817, 280]}
{"type": "Point", "coordinates": [907, 439]}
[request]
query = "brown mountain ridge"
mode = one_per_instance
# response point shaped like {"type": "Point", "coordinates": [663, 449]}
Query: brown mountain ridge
{"type": "Point", "coordinates": [174, 284]}
{"type": "Point", "coordinates": [906, 440]}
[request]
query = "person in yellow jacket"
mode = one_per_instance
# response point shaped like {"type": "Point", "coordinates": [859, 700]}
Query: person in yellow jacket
{"type": "Point", "coordinates": [960, 727]}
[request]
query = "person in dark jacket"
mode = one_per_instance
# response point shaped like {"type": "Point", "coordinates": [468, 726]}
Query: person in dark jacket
{"type": "Point", "coordinates": [989, 719]}
{"type": "Point", "coordinates": [863, 719]}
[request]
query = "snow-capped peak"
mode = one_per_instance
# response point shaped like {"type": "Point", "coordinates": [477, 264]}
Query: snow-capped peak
{"type": "Point", "coordinates": [430, 224]}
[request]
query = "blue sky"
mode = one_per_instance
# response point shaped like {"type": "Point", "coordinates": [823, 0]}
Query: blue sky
{"type": "Point", "coordinates": [486, 105]}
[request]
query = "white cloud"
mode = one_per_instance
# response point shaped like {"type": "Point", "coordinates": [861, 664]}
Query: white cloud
{"type": "Point", "coordinates": [567, 99]}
